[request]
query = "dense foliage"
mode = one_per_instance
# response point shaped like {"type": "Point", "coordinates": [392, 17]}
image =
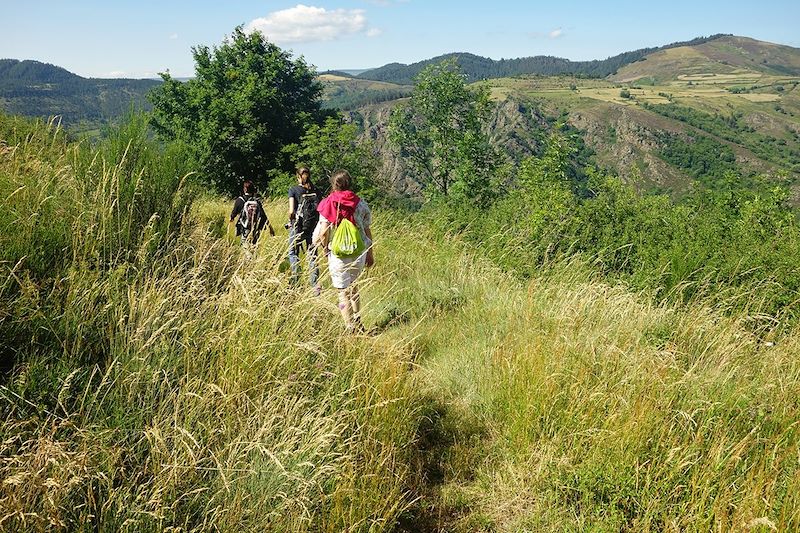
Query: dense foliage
{"type": "Point", "coordinates": [326, 148]}
{"type": "Point", "coordinates": [37, 89]}
{"type": "Point", "coordinates": [784, 152]}
{"type": "Point", "coordinates": [248, 100]}
{"type": "Point", "coordinates": [346, 99]}
{"type": "Point", "coordinates": [700, 156]}
{"type": "Point", "coordinates": [725, 241]}
{"type": "Point", "coordinates": [440, 133]}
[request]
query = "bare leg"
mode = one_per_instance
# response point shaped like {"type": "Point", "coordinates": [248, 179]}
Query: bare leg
{"type": "Point", "coordinates": [344, 307]}
{"type": "Point", "coordinates": [355, 304]}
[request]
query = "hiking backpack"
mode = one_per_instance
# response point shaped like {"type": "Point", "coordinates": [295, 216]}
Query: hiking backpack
{"type": "Point", "coordinates": [307, 216]}
{"type": "Point", "coordinates": [250, 216]}
{"type": "Point", "coordinates": [347, 242]}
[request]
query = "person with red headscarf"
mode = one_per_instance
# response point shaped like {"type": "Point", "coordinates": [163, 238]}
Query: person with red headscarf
{"type": "Point", "coordinates": [340, 204]}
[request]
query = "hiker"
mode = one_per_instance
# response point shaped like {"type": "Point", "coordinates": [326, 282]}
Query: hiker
{"type": "Point", "coordinates": [303, 217]}
{"type": "Point", "coordinates": [343, 204]}
{"type": "Point", "coordinates": [252, 217]}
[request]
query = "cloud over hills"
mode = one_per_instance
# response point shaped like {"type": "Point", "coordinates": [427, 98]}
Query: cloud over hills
{"type": "Point", "coordinates": [302, 24]}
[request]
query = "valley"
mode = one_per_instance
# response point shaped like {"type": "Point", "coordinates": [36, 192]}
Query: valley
{"type": "Point", "coordinates": [735, 94]}
{"type": "Point", "coordinates": [738, 94]}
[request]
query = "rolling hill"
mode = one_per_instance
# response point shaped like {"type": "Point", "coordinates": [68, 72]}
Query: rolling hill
{"type": "Point", "coordinates": [677, 115]}
{"type": "Point", "coordinates": [728, 55]}
{"type": "Point", "coordinates": [478, 68]}
{"type": "Point", "coordinates": [36, 89]}
{"type": "Point", "coordinates": [346, 92]}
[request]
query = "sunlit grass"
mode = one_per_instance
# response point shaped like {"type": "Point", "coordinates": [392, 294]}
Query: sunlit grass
{"type": "Point", "coordinates": [166, 380]}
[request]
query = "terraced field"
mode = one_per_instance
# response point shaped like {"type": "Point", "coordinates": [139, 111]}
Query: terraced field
{"type": "Point", "coordinates": [620, 125]}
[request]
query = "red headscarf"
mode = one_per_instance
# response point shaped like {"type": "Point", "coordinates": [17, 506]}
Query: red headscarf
{"type": "Point", "coordinates": [339, 205]}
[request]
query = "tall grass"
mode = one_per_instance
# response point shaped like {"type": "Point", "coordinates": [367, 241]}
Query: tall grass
{"type": "Point", "coordinates": [161, 379]}
{"type": "Point", "coordinates": [570, 404]}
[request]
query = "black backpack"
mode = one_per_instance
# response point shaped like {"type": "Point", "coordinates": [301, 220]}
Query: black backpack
{"type": "Point", "coordinates": [251, 218]}
{"type": "Point", "coordinates": [307, 215]}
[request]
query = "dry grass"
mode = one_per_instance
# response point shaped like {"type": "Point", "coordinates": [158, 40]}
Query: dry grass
{"type": "Point", "coordinates": [186, 386]}
{"type": "Point", "coordinates": [568, 404]}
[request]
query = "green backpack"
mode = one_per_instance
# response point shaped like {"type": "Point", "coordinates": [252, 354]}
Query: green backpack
{"type": "Point", "coordinates": [347, 242]}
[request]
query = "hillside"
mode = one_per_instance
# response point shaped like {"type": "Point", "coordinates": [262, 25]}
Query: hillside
{"type": "Point", "coordinates": [160, 378]}
{"type": "Point", "coordinates": [37, 89]}
{"type": "Point", "coordinates": [661, 129]}
{"type": "Point", "coordinates": [345, 92]}
{"type": "Point", "coordinates": [478, 68]}
{"type": "Point", "coordinates": [735, 58]}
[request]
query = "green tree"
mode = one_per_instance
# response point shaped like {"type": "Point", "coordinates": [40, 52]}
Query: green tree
{"type": "Point", "coordinates": [440, 134]}
{"type": "Point", "coordinates": [335, 145]}
{"type": "Point", "coordinates": [248, 100]}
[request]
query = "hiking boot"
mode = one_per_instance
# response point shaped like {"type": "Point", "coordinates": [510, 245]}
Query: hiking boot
{"type": "Point", "coordinates": [358, 326]}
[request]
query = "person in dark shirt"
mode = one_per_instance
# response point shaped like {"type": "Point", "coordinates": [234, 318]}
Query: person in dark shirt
{"type": "Point", "coordinates": [303, 217]}
{"type": "Point", "coordinates": [249, 230]}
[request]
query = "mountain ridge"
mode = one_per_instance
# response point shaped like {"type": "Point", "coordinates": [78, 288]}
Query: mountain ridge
{"type": "Point", "coordinates": [477, 67]}
{"type": "Point", "coordinates": [33, 88]}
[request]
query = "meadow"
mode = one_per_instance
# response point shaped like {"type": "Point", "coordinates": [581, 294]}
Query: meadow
{"type": "Point", "coordinates": [156, 378]}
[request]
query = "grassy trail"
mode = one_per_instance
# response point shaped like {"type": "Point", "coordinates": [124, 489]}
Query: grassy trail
{"type": "Point", "coordinates": [163, 382]}
{"type": "Point", "coordinates": [564, 403]}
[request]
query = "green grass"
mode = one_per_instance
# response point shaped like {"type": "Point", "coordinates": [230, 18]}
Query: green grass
{"type": "Point", "coordinates": [182, 386]}
{"type": "Point", "coordinates": [162, 379]}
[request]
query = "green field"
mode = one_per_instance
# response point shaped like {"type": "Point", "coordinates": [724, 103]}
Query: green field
{"type": "Point", "coordinates": [163, 380]}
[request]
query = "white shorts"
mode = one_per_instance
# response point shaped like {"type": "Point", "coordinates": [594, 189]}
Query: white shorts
{"type": "Point", "coordinates": [345, 271]}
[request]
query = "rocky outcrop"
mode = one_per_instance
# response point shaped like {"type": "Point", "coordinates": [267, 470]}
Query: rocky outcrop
{"type": "Point", "coordinates": [625, 138]}
{"type": "Point", "coordinates": [392, 170]}
{"type": "Point", "coordinates": [515, 128]}
{"type": "Point", "coordinates": [625, 141]}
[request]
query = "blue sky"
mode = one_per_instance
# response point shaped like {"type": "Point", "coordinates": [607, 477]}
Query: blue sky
{"type": "Point", "coordinates": [139, 39]}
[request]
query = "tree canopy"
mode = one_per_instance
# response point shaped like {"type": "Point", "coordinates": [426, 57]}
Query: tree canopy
{"type": "Point", "coordinates": [440, 133]}
{"type": "Point", "coordinates": [247, 101]}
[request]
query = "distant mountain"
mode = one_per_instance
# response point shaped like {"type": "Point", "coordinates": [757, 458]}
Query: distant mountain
{"type": "Point", "coordinates": [21, 73]}
{"type": "Point", "coordinates": [680, 114]}
{"type": "Point", "coordinates": [477, 67]}
{"type": "Point", "coordinates": [38, 89]}
{"type": "Point", "coordinates": [727, 55]}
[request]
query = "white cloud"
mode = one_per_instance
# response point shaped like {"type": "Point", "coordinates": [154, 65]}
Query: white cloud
{"type": "Point", "coordinates": [554, 34]}
{"type": "Point", "coordinates": [386, 3]}
{"type": "Point", "coordinates": [303, 23]}
{"type": "Point", "coordinates": [374, 32]}
{"type": "Point", "coordinates": [173, 37]}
